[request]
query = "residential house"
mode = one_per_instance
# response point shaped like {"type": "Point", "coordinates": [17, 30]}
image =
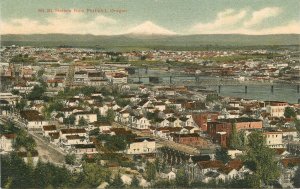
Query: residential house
{"type": "Point", "coordinates": [201, 119]}
{"type": "Point", "coordinates": [33, 119]}
{"type": "Point", "coordinates": [72, 131]}
{"type": "Point", "coordinates": [141, 145]}
{"type": "Point", "coordinates": [88, 116]}
{"type": "Point", "coordinates": [174, 122]}
{"type": "Point", "coordinates": [162, 123]}
{"type": "Point", "coordinates": [119, 78]}
{"type": "Point", "coordinates": [159, 106]}
{"type": "Point", "coordinates": [6, 142]}
{"type": "Point", "coordinates": [192, 139]}
{"type": "Point", "coordinates": [274, 139]}
{"type": "Point", "coordinates": [54, 137]}
{"type": "Point", "coordinates": [81, 149]}
{"type": "Point", "coordinates": [140, 122]}
{"type": "Point", "coordinates": [49, 129]}
{"type": "Point", "coordinates": [103, 126]}
{"type": "Point", "coordinates": [67, 111]}
{"type": "Point", "coordinates": [276, 108]}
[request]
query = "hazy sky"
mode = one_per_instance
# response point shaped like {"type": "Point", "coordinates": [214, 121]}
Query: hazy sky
{"type": "Point", "coordinates": [150, 16]}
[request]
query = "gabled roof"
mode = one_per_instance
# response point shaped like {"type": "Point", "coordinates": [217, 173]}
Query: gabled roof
{"type": "Point", "coordinates": [49, 127]}
{"type": "Point", "coordinates": [171, 119]}
{"type": "Point", "coordinates": [142, 139]}
{"type": "Point", "coordinates": [184, 119]}
{"type": "Point", "coordinates": [54, 135]}
{"type": "Point", "coordinates": [74, 137]}
{"type": "Point", "coordinates": [31, 115]}
{"type": "Point", "coordinates": [235, 164]}
{"type": "Point", "coordinates": [101, 123]}
{"type": "Point", "coordinates": [70, 109]}
{"type": "Point", "coordinates": [291, 161]}
{"type": "Point", "coordinates": [82, 146]}
{"type": "Point", "coordinates": [216, 164]}
{"type": "Point", "coordinates": [9, 136]}
{"type": "Point", "coordinates": [72, 131]}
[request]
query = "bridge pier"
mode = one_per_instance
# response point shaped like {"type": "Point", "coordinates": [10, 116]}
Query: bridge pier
{"type": "Point", "coordinates": [272, 88]}
{"type": "Point", "coordinates": [298, 88]}
{"type": "Point", "coordinates": [298, 100]}
{"type": "Point", "coordinates": [219, 88]}
{"type": "Point", "coordinates": [246, 89]}
{"type": "Point", "coordinates": [170, 80]}
{"type": "Point", "coordinates": [139, 79]}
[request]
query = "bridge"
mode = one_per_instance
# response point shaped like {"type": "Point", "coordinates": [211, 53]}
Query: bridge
{"type": "Point", "coordinates": [193, 80]}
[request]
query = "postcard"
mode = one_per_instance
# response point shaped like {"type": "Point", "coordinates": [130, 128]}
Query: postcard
{"type": "Point", "coordinates": [150, 94]}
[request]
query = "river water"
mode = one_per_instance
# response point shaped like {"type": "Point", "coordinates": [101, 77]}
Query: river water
{"type": "Point", "coordinates": [281, 92]}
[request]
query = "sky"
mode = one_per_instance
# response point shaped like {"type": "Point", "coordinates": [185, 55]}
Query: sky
{"type": "Point", "coordinates": [183, 17]}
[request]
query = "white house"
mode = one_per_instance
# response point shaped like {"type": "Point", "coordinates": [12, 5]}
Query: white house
{"type": "Point", "coordinates": [103, 126]}
{"type": "Point", "coordinates": [276, 109]}
{"type": "Point", "coordinates": [170, 175]}
{"type": "Point", "coordinates": [123, 116]}
{"type": "Point", "coordinates": [49, 129]}
{"type": "Point", "coordinates": [33, 119]}
{"type": "Point", "coordinates": [73, 139]}
{"type": "Point", "coordinates": [163, 123]}
{"type": "Point", "coordinates": [140, 122]}
{"type": "Point", "coordinates": [274, 139]}
{"type": "Point", "coordinates": [88, 116]}
{"type": "Point", "coordinates": [67, 111]}
{"type": "Point", "coordinates": [65, 132]}
{"type": "Point", "coordinates": [142, 146]}
{"type": "Point", "coordinates": [119, 78]}
{"type": "Point", "coordinates": [6, 142]}
{"type": "Point", "coordinates": [159, 106]}
{"type": "Point", "coordinates": [103, 110]}
{"type": "Point", "coordinates": [174, 122]}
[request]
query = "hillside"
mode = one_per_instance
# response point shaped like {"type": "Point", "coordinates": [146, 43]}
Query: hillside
{"type": "Point", "coordinates": [150, 41]}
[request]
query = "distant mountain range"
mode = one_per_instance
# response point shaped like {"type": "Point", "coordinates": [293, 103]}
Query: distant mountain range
{"type": "Point", "coordinates": [149, 41]}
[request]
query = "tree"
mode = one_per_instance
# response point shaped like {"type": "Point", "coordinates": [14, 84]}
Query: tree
{"type": "Point", "coordinates": [36, 93]}
{"type": "Point", "coordinates": [70, 120]}
{"type": "Point", "coordinates": [49, 175]}
{"type": "Point", "coordinates": [110, 115]}
{"type": "Point", "coordinates": [40, 73]}
{"type": "Point", "coordinates": [233, 138]}
{"type": "Point", "coordinates": [182, 179]}
{"type": "Point", "coordinates": [289, 112]}
{"type": "Point", "coordinates": [21, 105]}
{"type": "Point", "coordinates": [211, 98]}
{"type": "Point", "coordinates": [297, 124]}
{"type": "Point", "coordinates": [222, 155]}
{"type": "Point", "coordinates": [25, 141]}
{"type": "Point", "coordinates": [135, 183]}
{"type": "Point", "coordinates": [70, 159]}
{"type": "Point", "coordinates": [15, 173]}
{"type": "Point", "coordinates": [117, 182]}
{"type": "Point", "coordinates": [94, 174]}
{"type": "Point", "coordinates": [82, 122]}
{"type": "Point", "coordinates": [296, 179]}
{"type": "Point", "coordinates": [150, 171]}
{"type": "Point", "coordinates": [261, 160]}
{"type": "Point", "coordinates": [15, 92]}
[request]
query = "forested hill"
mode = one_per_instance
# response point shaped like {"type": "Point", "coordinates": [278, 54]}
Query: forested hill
{"type": "Point", "coordinates": [156, 41]}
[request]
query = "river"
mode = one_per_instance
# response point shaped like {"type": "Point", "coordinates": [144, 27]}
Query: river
{"type": "Point", "coordinates": [281, 92]}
